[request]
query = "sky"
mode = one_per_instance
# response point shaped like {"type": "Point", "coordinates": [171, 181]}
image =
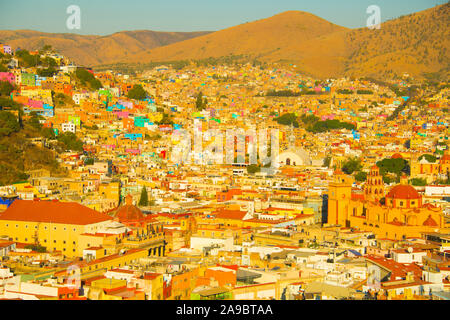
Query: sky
{"type": "Point", "coordinates": [103, 17]}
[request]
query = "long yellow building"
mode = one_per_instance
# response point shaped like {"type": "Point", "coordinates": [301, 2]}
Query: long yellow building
{"type": "Point", "coordinates": [57, 226]}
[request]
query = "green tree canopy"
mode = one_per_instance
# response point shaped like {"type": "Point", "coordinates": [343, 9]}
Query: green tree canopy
{"type": "Point", "coordinates": [396, 166]}
{"type": "Point", "coordinates": [253, 168]}
{"type": "Point", "coordinates": [6, 88]}
{"type": "Point", "coordinates": [8, 123]}
{"type": "Point", "coordinates": [418, 182]}
{"type": "Point", "coordinates": [143, 201]}
{"type": "Point", "coordinates": [361, 176]}
{"type": "Point", "coordinates": [428, 157]}
{"type": "Point", "coordinates": [200, 103]}
{"type": "Point", "coordinates": [87, 79]}
{"type": "Point", "coordinates": [288, 119]}
{"type": "Point", "coordinates": [137, 93]}
{"type": "Point", "coordinates": [352, 165]}
{"type": "Point", "coordinates": [70, 141]}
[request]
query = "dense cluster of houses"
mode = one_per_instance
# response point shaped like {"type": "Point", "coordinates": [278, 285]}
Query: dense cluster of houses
{"type": "Point", "coordinates": [130, 220]}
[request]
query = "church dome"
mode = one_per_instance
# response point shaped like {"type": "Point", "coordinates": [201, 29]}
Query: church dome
{"type": "Point", "coordinates": [129, 212]}
{"type": "Point", "coordinates": [402, 191]}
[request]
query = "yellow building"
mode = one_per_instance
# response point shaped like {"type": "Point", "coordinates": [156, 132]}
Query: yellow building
{"type": "Point", "coordinates": [58, 226]}
{"type": "Point", "coordinates": [110, 190]}
{"type": "Point", "coordinates": [401, 214]}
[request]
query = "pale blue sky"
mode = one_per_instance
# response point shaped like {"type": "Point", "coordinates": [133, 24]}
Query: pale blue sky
{"type": "Point", "coordinates": [109, 16]}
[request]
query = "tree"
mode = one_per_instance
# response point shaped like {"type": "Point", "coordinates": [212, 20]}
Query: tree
{"type": "Point", "coordinates": [34, 121]}
{"type": "Point", "coordinates": [8, 123]}
{"type": "Point", "coordinates": [418, 182]}
{"type": "Point", "coordinates": [200, 104]}
{"type": "Point", "coordinates": [361, 176]}
{"type": "Point", "coordinates": [70, 141]}
{"type": "Point", "coordinates": [137, 93]}
{"type": "Point", "coordinates": [89, 161]}
{"type": "Point", "coordinates": [87, 78]}
{"type": "Point", "coordinates": [352, 165]}
{"type": "Point", "coordinates": [47, 72]}
{"type": "Point", "coordinates": [327, 161]}
{"type": "Point", "coordinates": [6, 88]}
{"type": "Point", "coordinates": [48, 133]}
{"type": "Point", "coordinates": [253, 168]}
{"type": "Point", "coordinates": [428, 157]}
{"type": "Point", "coordinates": [288, 119]}
{"type": "Point", "coordinates": [396, 166]}
{"type": "Point", "coordinates": [143, 201]}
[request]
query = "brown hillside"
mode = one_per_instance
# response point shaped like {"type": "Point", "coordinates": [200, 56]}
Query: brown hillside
{"type": "Point", "coordinates": [416, 44]}
{"type": "Point", "coordinates": [289, 36]}
{"type": "Point", "coordinates": [93, 50]}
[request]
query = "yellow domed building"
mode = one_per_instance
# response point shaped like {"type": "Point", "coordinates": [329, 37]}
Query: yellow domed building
{"type": "Point", "coordinates": [399, 214]}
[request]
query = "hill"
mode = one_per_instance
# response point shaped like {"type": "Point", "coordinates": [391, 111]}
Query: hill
{"type": "Point", "coordinates": [18, 153]}
{"type": "Point", "coordinates": [416, 44]}
{"type": "Point", "coordinates": [90, 50]}
{"type": "Point", "coordinates": [289, 36]}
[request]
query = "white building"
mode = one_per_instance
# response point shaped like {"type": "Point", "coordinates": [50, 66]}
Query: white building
{"type": "Point", "coordinates": [68, 127]}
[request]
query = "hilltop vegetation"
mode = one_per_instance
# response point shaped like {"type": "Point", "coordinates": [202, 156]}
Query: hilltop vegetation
{"type": "Point", "coordinates": [86, 79]}
{"type": "Point", "coordinates": [17, 153]}
{"type": "Point", "coordinates": [417, 43]}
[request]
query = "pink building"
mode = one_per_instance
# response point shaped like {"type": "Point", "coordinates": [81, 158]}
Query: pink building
{"type": "Point", "coordinates": [328, 117]}
{"type": "Point", "coordinates": [133, 151]}
{"type": "Point", "coordinates": [8, 76]}
{"type": "Point", "coordinates": [35, 104]}
{"type": "Point", "coordinates": [121, 114]}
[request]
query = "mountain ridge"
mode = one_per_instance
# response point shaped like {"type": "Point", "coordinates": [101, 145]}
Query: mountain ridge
{"type": "Point", "coordinates": [416, 44]}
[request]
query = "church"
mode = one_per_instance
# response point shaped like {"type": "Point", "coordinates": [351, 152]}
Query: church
{"type": "Point", "coordinates": [397, 215]}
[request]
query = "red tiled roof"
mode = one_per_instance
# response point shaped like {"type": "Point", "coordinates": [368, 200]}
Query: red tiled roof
{"type": "Point", "coordinates": [396, 269]}
{"type": "Point", "coordinates": [231, 214]}
{"type": "Point", "coordinates": [52, 211]}
{"type": "Point", "coordinates": [151, 275]}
